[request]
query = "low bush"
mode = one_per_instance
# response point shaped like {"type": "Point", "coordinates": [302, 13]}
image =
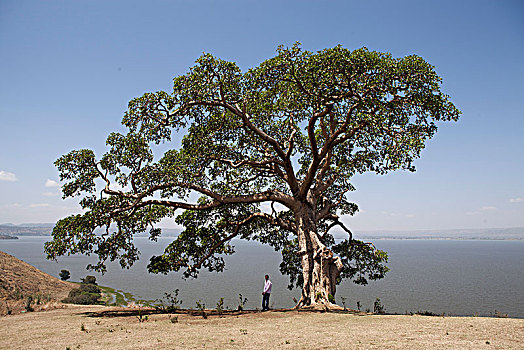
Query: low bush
{"type": "Point", "coordinates": [64, 275]}
{"type": "Point", "coordinates": [89, 288]}
{"type": "Point", "coordinates": [378, 308]}
{"type": "Point", "coordinates": [141, 317]}
{"type": "Point", "coordinates": [88, 293]}
{"type": "Point", "coordinates": [343, 302]}
{"type": "Point", "coordinates": [331, 299]}
{"type": "Point", "coordinates": [83, 299]}
{"type": "Point", "coordinates": [74, 292]}
{"type": "Point", "coordinates": [28, 302]}
{"type": "Point", "coordinates": [202, 307]}
{"type": "Point", "coordinates": [426, 313]}
{"type": "Point", "coordinates": [242, 302]}
{"type": "Point", "coordinates": [499, 314]}
{"type": "Point", "coordinates": [89, 280]}
{"type": "Point", "coordinates": [220, 306]}
{"type": "Point", "coordinates": [170, 302]}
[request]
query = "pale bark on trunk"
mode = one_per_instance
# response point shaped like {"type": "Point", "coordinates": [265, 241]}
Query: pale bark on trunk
{"type": "Point", "coordinates": [320, 268]}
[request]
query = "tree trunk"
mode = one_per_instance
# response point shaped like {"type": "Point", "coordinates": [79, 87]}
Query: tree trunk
{"type": "Point", "coordinates": [320, 268]}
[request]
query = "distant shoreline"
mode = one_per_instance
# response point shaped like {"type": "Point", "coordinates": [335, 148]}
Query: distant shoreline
{"type": "Point", "coordinates": [495, 234]}
{"type": "Point", "coordinates": [381, 238]}
{"type": "Point", "coordinates": [443, 238]}
{"type": "Point", "coordinates": [8, 237]}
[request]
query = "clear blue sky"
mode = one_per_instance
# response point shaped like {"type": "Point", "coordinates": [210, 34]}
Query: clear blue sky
{"type": "Point", "coordinates": [68, 69]}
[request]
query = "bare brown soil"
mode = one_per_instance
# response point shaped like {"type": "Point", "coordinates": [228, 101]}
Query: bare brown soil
{"type": "Point", "coordinates": [98, 327]}
{"type": "Point", "coordinates": [19, 280]}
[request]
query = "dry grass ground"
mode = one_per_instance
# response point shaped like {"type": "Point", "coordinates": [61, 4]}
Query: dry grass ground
{"type": "Point", "coordinates": [96, 327]}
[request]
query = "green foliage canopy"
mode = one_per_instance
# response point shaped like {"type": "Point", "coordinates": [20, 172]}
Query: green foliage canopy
{"type": "Point", "coordinates": [290, 133]}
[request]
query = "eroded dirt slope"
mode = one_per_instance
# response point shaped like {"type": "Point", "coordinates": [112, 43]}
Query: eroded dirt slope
{"type": "Point", "coordinates": [19, 280]}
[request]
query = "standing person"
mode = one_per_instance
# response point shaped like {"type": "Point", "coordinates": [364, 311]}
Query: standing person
{"type": "Point", "coordinates": [266, 293]}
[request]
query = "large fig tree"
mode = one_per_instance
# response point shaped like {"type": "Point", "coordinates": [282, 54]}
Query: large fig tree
{"type": "Point", "coordinates": [266, 154]}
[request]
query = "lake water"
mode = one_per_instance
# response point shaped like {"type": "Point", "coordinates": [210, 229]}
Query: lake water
{"type": "Point", "coordinates": [452, 277]}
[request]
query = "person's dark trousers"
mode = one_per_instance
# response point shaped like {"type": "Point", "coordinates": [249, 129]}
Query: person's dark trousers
{"type": "Point", "coordinates": [265, 301]}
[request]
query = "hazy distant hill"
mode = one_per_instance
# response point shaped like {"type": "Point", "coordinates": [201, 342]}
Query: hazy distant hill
{"type": "Point", "coordinates": [50, 225]}
{"type": "Point", "coordinates": [513, 233]}
{"type": "Point", "coordinates": [33, 224]}
{"type": "Point", "coordinates": [26, 229]}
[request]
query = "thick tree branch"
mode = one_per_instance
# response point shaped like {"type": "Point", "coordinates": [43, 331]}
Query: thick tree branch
{"type": "Point", "coordinates": [288, 167]}
{"type": "Point", "coordinates": [219, 200]}
{"type": "Point", "coordinates": [335, 222]}
{"type": "Point", "coordinates": [212, 250]}
{"type": "Point", "coordinates": [238, 225]}
{"type": "Point", "coordinates": [291, 142]}
{"type": "Point", "coordinates": [311, 129]}
{"type": "Point", "coordinates": [265, 164]}
{"type": "Point", "coordinates": [240, 112]}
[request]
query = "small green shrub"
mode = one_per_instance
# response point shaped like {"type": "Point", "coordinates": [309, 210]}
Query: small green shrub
{"type": "Point", "coordinates": [64, 275]}
{"type": "Point", "coordinates": [220, 306]}
{"type": "Point", "coordinates": [74, 292]}
{"type": "Point", "coordinates": [82, 299]}
{"type": "Point", "coordinates": [141, 317]}
{"type": "Point", "coordinates": [343, 302]}
{"type": "Point", "coordinates": [43, 298]}
{"type": "Point", "coordinates": [242, 302]}
{"type": "Point", "coordinates": [170, 302]}
{"type": "Point", "coordinates": [331, 299]}
{"type": "Point", "coordinates": [88, 293]}
{"type": "Point", "coordinates": [174, 302]}
{"type": "Point", "coordinates": [77, 297]}
{"type": "Point", "coordinates": [499, 314]}
{"type": "Point", "coordinates": [28, 302]}
{"type": "Point", "coordinates": [426, 313]}
{"type": "Point", "coordinates": [89, 288]}
{"type": "Point", "coordinates": [378, 308]}
{"type": "Point", "coordinates": [89, 280]}
{"type": "Point", "coordinates": [202, 307]}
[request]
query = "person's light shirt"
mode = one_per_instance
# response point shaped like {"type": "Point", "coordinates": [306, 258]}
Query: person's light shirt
{"type": "Point", "coordinates": [267, 287]}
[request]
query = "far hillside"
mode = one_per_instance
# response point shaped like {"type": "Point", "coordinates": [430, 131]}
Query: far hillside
{"type": "Point", "coordinates": [26, 229]}
{"type": "Point", "coordinates": [511, 233]}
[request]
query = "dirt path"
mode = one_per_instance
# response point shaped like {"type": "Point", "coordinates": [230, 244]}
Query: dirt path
{"type": "Point", "coordinates": [62, 328]}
